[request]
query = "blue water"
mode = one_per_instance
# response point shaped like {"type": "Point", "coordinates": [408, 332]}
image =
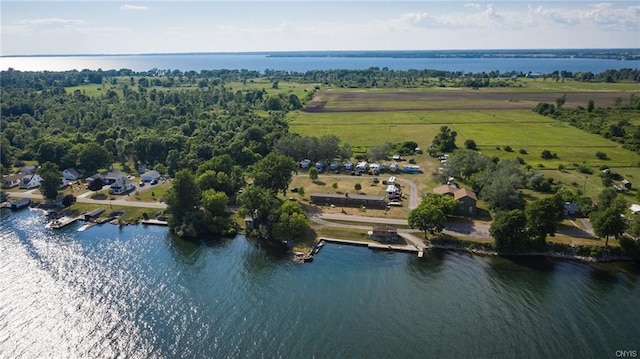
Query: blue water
{"type": "Point", "coordinates": [197, 62]}
{"type": "Point", "coordinates": [139, 292]}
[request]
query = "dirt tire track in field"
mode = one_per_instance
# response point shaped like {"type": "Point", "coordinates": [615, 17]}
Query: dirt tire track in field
{"type": "Point", "coordinates": [369, 101]}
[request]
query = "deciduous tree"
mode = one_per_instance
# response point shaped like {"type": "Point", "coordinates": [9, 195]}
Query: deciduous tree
{"type": "Point", "coordinates": [51, 179]}
{"type": "Point", "coordinates": [427, 218]}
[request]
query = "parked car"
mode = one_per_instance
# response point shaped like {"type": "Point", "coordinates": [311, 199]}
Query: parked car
{"type": "Point", "coordinates": [141, 184]}
{"type": "Point", "coordinates": [155, 181]}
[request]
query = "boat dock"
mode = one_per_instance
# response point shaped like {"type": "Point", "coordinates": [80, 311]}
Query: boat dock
{"type": "Point", "coordinates": [62, 222]}
{"type": "Point", "coordinates": [377, 246]}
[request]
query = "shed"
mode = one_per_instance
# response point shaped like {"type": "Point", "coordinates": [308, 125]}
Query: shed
{"type": "Point", "coordinates": [384, 233]}
{"type": "Point", "coordinates": [93, 214]}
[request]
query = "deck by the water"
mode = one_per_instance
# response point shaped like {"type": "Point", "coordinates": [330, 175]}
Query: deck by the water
{"type": "Point", "coordinates": [62, 222]}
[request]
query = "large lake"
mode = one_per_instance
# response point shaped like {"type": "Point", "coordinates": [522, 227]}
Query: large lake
{"type": "Point", "coordinates": [261, 62]}
{"type": "Point", "coordinates": [137, 292]}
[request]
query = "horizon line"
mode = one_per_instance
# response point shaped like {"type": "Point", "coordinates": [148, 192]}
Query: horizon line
{"type": "Point", "coordinates": [266, 52]}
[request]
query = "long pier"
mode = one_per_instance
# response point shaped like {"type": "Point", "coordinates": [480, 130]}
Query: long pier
{"type": "Point", "coordinates": [379, 246]}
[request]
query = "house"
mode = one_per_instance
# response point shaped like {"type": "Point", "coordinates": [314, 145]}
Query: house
{"type": "Point", "coordinates": [71, 174]}
{"type": "Point", "coordinates": [112, 176]}
{"type": "Point", "coordinates": [445, 189]}
{"type": "Point", "coordinates": [123, 185]}
{"type": "Point", "coordinates": [12, 180]}
{"type": "Point", "coordinates": [30, 181]}
{"type": "Point", "coordinates": [348, 200]}
{"type": "Point", "coordinates": [150, 176]}
{"type": "Point", "coordinates": [467, 201]}
{"type": "Point", "coordinates": [384, 233]}
{"type": "Point", "coordinates": [94, 177]}
{"type": "Point", "coordinates": [28, 170]}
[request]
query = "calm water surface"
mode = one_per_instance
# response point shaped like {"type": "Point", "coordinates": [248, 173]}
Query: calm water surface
{"type": "Point", "coordinates": [138, 292]}
{"type": "Point", "coordinates": [197, 62]}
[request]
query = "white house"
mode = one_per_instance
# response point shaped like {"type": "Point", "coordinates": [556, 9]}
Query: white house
{"type": "Point", "coordinates": [122, 185]}
{"type": "Point", "coordinates": [150, 176]}
{"type": "Point", "coordinates": [12, 180]}
{"type": "Point", "coordinates": [30, 181]}
{"type": "Point", "coordinates": [71, 174]}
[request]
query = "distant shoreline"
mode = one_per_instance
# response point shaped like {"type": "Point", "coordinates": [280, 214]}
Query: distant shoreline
{"type": "Point", "coordinates": [610, 54]}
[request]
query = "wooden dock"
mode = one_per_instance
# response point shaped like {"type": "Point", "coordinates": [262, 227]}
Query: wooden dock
{"type": "Point", "coordinates": [61, 222]}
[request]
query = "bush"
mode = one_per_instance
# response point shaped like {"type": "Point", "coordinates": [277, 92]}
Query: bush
{"type": "Point", "coordinates": [508, 148]}
{"type": "Point", "coordinates": [523, 151]}
{"type": "Point", "coordinates": [548, 155]}
{"type": "Point", "coordinates": [601, 156]}
{"type": "Point", "coordinates": [470, 144]}
{"type": "Point", "coordinates": [68, 200]}
{"type": "Point", "coordinates": [357, 186]}
{"type": "Point", "coordinates": [584, 169]}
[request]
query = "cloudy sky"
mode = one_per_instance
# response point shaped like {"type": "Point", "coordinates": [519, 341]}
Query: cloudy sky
{"type": "Point", "coordinates": [109, 27]}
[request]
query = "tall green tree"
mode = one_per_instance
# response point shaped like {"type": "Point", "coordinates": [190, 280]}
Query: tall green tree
{"type": "Point", "coordinates": [274, 172]}
{"type": "Point", "coordinates": [543, 216]}
{"type": "Point", "coordinates": [182, 199]}
{"type": "Point", "coordinates": [257, 202]}
{"type": "Point", "coordinates": [214, 202]}
{"type": "Point", "coordinates": [445, 140]}
{"type": "Point", "coordinates": [51, 179]}
{"type": "Point", "coordinates": [292, 222]}
{"type": "Point", "coordinates": [509, 231]}
{"type": "Point", "coordinates": [609, 221]}
{"type": "Point", "coordinates": [92, 157]}
{"type": "Point", "coordinates": [427, 218]}
{"type": "Point", "coordinates": [447, 204]}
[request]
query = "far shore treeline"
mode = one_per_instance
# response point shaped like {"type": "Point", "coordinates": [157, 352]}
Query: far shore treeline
{"type": "Point", "coordinates": [212, 129]}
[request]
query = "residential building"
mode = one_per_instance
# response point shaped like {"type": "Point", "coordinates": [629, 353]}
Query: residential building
{"type": "Point", "coordinates": [150, 176]}
{"type": "Point", "coordinates": [30, 181]}
{"type": "Point", "coordinates": [11, 181]}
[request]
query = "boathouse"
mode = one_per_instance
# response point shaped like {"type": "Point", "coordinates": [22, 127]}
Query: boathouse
{"type": "Point", "coordinates": [384, 234]}
{"type": "Point", "coordinates": [90, 216]}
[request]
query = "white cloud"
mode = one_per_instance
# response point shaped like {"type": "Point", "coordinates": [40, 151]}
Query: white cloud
{"type": "Point", "coordinates": [133, 7]}
{"type": "Point", "coordinates": [51, 21]}
{"type": "Point", "coordinates": [474, 5]}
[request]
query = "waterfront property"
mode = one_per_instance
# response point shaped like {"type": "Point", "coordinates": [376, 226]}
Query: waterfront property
{"type": "Point", "coordinates": [384, 234]}
{"type": "Point", "coordinates": [349, 200]}
{"type": "Point", "coordinates": [121, 186]}
{"type": "Point", "coordinates": [30, 181]}
{"type": "Point", "coordinates": [467, 199]}
{"type": "Point", "coordinates": [92, 215]}
{"type": "Point", "coordinates": [11, 181]}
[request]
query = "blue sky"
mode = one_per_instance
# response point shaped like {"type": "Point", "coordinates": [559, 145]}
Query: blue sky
{"type": "Point", "coordinates": [109, 27]}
